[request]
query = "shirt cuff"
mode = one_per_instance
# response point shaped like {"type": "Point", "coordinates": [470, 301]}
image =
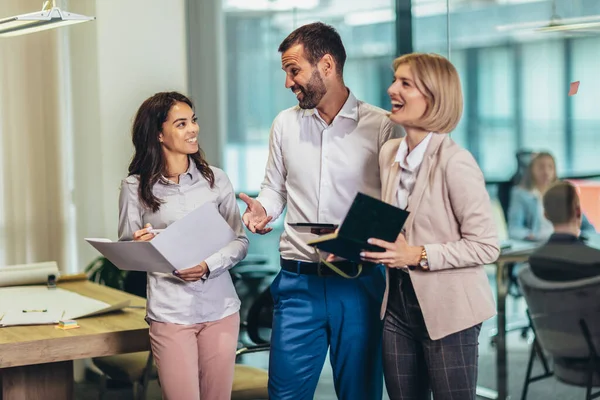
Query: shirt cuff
{"type": "Point", "coordinates": [430, 257]}
{"type": "Point", "coordinates": [269, 207]}
{"type": "Point", "coordinates": [214, 263]}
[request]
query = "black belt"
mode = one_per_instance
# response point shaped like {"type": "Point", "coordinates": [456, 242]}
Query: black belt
{"type": "Point", "coordinates": [306, 268]}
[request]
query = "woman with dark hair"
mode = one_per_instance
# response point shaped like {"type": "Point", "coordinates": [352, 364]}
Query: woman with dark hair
{"type": "Point", "coordinates": [193, 313]}
{"type": "Point", "coordinates": [526, 220]}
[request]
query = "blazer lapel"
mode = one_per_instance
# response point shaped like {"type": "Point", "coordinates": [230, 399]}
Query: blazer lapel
{"type": "Point", "coordinates": [423, 178]}
{"type": "Point", "coordinates": [392, 183]}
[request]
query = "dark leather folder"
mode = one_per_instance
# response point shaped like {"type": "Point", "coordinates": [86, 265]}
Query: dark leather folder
{"type": "Point", "coordinates": [367, 218]}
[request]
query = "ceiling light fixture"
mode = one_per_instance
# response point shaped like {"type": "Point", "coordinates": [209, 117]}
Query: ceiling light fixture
{"type": "Point", "coordinates": [48, 18]}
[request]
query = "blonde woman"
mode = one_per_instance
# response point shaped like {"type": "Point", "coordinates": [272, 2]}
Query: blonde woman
{"type": "Point", "coordinates": [526, 220]}
{"type": "Point", "coordinates": [437, 292]}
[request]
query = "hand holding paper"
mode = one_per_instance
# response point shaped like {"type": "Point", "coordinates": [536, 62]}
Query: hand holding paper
{"type": "Point", "coordinates": [184, 244]}
{"type": "Point", "coordinates": [193, 274]}
{"type": "Point", "coordinates": [144, 235]}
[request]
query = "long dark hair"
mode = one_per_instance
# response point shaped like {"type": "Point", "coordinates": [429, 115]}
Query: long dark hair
{"type": "Point", "coordinates": [148, 160]}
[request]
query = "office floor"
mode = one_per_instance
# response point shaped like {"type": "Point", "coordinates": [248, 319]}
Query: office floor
{"type": "Point", "coordinates": [518, 353]}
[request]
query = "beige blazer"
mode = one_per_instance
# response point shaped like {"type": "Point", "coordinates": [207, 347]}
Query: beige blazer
{"type": "Point", "coordinates": [450, 214]}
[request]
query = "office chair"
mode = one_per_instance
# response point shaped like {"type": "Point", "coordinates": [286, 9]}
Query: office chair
{"type": "Point", "coordinates": [249, 278]}
{"type": "Point", "coordinates": [136, 369]}
{"type": "Point", "coordinates": [566, 320]}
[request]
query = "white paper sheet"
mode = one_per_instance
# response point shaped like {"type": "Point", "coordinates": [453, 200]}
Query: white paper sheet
{"type": "Point", "coordinates": [18, 317]}
{"type": "Point", "coordinates": [184, 244]}
{"type": "Point", "coordinates": [59, 303]}
{"type": "Point", "coordinates": [91, 309]}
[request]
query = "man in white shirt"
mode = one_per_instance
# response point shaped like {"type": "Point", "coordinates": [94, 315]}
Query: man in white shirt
{"type": "Point", "coordinates": [322, 152]}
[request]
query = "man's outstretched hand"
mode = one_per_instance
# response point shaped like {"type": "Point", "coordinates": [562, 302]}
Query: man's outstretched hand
{"type": "Point", "coordinates": [255, 217]}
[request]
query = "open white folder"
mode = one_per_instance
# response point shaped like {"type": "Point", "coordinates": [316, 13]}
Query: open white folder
{"type": "Point", "coordinates": [184, 244]}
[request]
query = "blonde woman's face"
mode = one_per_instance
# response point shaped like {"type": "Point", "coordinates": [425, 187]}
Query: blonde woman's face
{"type": "Point", "coordinates": [543, 171]}
{"type": "Point", "coordinates": [408, 103]}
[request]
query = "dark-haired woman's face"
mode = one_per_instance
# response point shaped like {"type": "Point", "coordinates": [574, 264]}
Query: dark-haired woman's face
{"type": "Point", "coordinates": [180, 131]}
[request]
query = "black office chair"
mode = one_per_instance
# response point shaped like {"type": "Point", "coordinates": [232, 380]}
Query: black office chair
{"type": "Point", "coordinates": [249, 277]}
{"type": "Point", "coordinates": [565, 316]}
{"type": "Point", "coordinates": [260, 317]}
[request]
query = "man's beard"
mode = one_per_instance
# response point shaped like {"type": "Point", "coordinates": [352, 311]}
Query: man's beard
{"type": "Point", "coordinates": [313, 93]}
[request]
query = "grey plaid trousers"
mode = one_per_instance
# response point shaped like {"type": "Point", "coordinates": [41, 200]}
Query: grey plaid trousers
{"type": "Point", "coordinates": [414, 366]}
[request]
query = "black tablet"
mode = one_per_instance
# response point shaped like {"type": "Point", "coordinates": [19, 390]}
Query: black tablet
{"type": "Point", "coordinates": [312, 225]}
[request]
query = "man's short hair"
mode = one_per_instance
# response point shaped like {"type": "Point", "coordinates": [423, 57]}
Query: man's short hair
{"type": "Point", "coordinates": [560, 202]}
{"type": "Point", "coordinates": [318, 39]}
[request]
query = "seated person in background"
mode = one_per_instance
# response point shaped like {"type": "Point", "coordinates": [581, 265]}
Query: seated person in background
{"type": "Point", "coordinates": [564, 257]}
{"type": "Point", "coordinates": [526, 219]}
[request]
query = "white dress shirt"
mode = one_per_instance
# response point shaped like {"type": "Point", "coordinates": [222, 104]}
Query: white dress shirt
{"type": "Point", "coordinates": [171, 299]}
{"type": "Point", "coordinates": [317, 169]}
{"type": "Point", "coordinates": [409, 168]}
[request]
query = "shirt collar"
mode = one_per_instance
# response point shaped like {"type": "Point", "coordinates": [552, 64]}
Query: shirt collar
{"type": "Point", "coordinates": [564, 238]}
{"type": "Point", "coordinates": [192, 171]}
{"type": "Point", "coordinates": [349, 109]}
{"type": "Point", "coordinates": [411, 161]}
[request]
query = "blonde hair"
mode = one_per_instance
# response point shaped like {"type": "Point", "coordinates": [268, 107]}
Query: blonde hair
{"type": "Point", "coordinates": [437, 79]}
{"type": "Point", "coordinates": [528, 181]}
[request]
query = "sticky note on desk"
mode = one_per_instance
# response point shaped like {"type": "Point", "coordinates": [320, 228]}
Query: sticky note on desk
{"type": "Point", "coordinates": [67, 324]}
{"type": "Point", "coordinates": [574, 88]}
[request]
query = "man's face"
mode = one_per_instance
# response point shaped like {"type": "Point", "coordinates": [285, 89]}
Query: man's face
{"type": "Point", "coordinates": [302, 78]}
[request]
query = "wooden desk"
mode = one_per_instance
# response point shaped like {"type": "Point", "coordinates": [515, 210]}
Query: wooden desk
{"type": "Point", "coordinates": [36, 362]}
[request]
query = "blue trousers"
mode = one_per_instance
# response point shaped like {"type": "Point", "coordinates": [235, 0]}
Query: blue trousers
{"type": "Point", "coordinates": [313, 314]}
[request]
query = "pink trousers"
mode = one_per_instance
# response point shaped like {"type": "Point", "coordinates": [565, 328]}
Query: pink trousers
{"type": "Point", "coordinates": [196, 361]}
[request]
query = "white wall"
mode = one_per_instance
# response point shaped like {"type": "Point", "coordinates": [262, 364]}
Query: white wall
{"type": "Point", "coordinates": [134, 49]}
{"type": "Point", "coordinates": [33, 225]}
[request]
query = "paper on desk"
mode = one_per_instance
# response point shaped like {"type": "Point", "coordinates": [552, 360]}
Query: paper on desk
{"type": "Point", "coordinates": [185, 243]}
{"type": "Point", "coordinates": [69, 305]}
{"type": "Point", "coordinates": [92, 309]}
{"type": "Point", "coordinates": [18, 317]}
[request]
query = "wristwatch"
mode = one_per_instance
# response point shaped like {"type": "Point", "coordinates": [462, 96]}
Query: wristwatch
{"type": "Point", "coordinates": [423, 262]}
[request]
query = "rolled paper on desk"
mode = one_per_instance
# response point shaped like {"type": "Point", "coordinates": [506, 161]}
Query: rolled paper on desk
{"type": "Point", "coordinates": [27, 274]}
